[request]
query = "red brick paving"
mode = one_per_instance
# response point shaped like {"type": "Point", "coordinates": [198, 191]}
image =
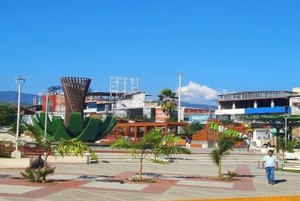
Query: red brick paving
{"type": "Point", "coordinates": [245, 182]}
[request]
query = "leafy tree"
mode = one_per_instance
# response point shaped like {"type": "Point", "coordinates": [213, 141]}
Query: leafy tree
{"type": "Point", "coordinates": [286, 147]}
{"type": "Point", "coordinates": [72, 147]}
{"type": "Point", "coordinates": [194, 127]}
{"type": "Point", "coordinates": [167, 101]}
{"type": "Point", "coordinates": [13, 129]}
{"type": "Point", "coordinates": [152, 143]}
{"type": "Point", "coordinates": [6, 114]}
{"type": "Point", "coordinates": [225, 142]}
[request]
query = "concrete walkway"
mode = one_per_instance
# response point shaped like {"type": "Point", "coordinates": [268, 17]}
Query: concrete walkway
{"type": "Point", "coordinates": [188, 177]}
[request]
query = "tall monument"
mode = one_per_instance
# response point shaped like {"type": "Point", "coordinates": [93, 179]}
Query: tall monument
{"type": "Point", "coordinates": [75, 90]}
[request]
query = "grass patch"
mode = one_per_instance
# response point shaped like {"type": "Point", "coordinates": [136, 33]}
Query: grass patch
{"type": "Point", "coordinates": [292, 171]}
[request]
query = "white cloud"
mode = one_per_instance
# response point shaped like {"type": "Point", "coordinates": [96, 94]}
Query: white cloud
{"type": "Point", "coordinates": [196, 93]}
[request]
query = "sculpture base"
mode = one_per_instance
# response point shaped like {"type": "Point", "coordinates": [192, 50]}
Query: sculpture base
{"type": "Point", "coordinates": [16, 154]}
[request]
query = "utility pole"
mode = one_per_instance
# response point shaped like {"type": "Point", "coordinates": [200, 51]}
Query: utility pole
{"type": "Point", "coordinates": [179, 96]}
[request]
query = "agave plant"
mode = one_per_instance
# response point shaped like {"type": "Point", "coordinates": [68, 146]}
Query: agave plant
{"type": "Point", "coordinates": [89, 130]}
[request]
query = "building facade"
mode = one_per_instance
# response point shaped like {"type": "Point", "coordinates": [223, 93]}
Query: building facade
{"type": "Point", "coordinates": [236, 106]}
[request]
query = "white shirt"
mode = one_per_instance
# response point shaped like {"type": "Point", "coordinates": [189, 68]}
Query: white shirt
{"type": "Point", "coordinates": [270, 161]}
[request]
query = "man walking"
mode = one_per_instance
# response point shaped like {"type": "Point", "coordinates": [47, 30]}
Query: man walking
{"type": "Point", "coordinates": [270, 162]}
{"type": "Point", "coordinates": [248, 142]}
{"type": "Point", "coordinates": [187, 142]}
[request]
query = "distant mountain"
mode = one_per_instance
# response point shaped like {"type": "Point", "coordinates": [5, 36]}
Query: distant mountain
{"type": "Point", "coordinates": [194, 105]}
{"type": "Point", "coordinates": [12, 97]}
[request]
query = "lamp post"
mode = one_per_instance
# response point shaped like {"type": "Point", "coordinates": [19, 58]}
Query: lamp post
{"type": "Point", "coordinates": [286, 115]}
{"type": "Point", "coordinates": [179, 96]}
{"type": "Point", "coordinates": [46, 116]}
{"type": "Point", "coordinates": [285, 127]}
{"type": "Point", "coordinates": [179, 101]}
{"type": "Point", "coordinates": [20, 81]}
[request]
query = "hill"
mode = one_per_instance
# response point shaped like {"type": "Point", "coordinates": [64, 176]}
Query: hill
{"type": "Point", "coordinates": [194, 105]}
{"type": "Point", "coordinates": [11, 97]}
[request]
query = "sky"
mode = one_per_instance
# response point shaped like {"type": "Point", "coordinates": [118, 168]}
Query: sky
{"type": "Point", "coordinates": [219, 46]}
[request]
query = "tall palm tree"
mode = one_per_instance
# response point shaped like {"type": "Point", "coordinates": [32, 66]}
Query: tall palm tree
{"type": "Point", "coordinates": [167, 101]}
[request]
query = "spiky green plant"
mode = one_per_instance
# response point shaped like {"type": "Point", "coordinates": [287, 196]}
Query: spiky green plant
{"type": "Point", "coordinates": [91, 130]}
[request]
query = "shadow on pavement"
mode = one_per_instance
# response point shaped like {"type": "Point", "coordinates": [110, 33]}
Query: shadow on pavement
{"type": "Point", "coordinates": [280, 181]}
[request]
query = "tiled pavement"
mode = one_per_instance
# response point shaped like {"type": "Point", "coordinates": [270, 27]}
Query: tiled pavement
{"type": "Point", "coordinates": [192, 177]}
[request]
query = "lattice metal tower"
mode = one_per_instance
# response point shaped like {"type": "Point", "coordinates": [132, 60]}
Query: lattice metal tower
{"type": "Point", "coordinates": [75, 89]}
{"type": "Point", "coordinates": [123, 85]}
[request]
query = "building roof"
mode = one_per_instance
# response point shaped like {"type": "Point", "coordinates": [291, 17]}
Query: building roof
{"type": "Point", "coordinates": [247, 95]}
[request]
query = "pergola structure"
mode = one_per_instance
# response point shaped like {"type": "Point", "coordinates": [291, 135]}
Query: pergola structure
{"type": "Point", "coordinates": [285, 122]}
{"type": "Point", "coordinates": [279, 122]}
{"type": "Point", "coordinates": [136, 130]}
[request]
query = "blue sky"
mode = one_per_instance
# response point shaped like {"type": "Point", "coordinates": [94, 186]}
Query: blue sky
{"type": "Point", "coordinates": [232, 45]}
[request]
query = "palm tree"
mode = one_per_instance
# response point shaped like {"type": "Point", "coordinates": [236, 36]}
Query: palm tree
{"type": "Point", "coordinates": [71, 147]}
{"type": "Point", "coordinates": [153, 143]}
{"type": "Point", "coordinates": [224, 145]}
{"type": "Point", "coordinates": [225, 142]}
{"type": "Point", "coordinates": [167, 101]}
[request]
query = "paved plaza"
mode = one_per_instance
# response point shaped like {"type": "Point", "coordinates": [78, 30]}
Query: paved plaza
{"type": "Point", "coordinates": [188, 177]}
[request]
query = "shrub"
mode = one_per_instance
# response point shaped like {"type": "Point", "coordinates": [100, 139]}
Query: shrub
{"type": "Point", "coordinates": [37, 175]}
{"type": "Point", "coordinates": [229, 176]}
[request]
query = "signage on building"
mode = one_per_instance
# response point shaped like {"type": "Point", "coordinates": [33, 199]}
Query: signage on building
{"type": "Point", "coordinates": [201, 118]}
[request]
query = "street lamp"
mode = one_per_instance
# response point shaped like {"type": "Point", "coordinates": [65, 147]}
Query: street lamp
{"type": "Point", "coordinates": [179, 96]}
{"type": "Point", "coordinates": [286, 115]}
{"type": "Point", "coordinates": [285, 128]}
{"type": "Point", "coordinates": [46, 116]}
{"type": "Point", "coordinates": [179, 101]}
{"type": "Point", "coordinates": [20, 81]}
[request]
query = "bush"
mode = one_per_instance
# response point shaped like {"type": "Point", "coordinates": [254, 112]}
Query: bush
{"type": "Point", "coordinates": [229, 176]}
{"type": "Point", "coordinates": [37, 175]}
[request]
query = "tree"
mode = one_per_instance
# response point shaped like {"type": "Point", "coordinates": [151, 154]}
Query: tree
{"type": "Point", "coordinates": [13, 129]}
{"type": "Point", "coordinates": [6, 114]}
{"type": "Point", "coordinates": [194, 127]}
{"type": "Point", "coordinates": [167, 101]}
{"type": "Point", "coordinates": [278, 123]}
{"type": "Point", "coordinates": [72, 147]}
{"type": "Point", "coordinates": [152, 143]}
{"type": "Point", "coordinates": [225, 142]}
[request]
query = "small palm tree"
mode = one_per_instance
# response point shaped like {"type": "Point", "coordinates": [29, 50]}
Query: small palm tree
{"type": "Point", "coordinates": [65, 147]}
{"type": "Point", "coordinates": [224, 145]}
{"type": "Point", "coordinates": [225, 142]}
{"type": "Point", "coordinates": [167, 101]}
{"type": "Point", "coordinates": [152, 143]}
